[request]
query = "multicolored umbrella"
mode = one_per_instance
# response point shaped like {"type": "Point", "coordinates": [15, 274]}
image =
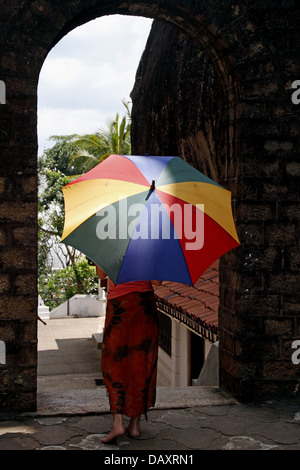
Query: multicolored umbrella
{"type": "Point", "coordinates": [148, 217]}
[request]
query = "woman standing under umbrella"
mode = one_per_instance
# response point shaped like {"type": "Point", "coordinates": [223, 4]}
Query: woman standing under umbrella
{"type": "Point", "coordinates": [129, 353]}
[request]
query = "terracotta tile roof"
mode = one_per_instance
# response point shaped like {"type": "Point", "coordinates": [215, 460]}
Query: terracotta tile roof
{"type": "Point", "coordinates": [199, 303]}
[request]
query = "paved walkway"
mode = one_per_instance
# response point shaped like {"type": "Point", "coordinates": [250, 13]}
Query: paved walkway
{"type": "Point", "coordinates": [73, 411]}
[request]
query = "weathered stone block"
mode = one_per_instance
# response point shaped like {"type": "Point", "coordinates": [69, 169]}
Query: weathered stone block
{"type": "Point", "coordinates": [289, 211]}
{"type": "Point", "coordinates": [22, 354]}
{"type": "Point", "coordinates": [279, 233]}
{"type": "Point", "coordinates": [291, 305]}
{"type": "Point", "coordinates": [262, 258]}
{"type": "Point", "coordinates": [279, 369]}
{"type": "Point", "coordinates": [266, 305]}
{"type": "Point", "coordinates": [285, 283]}
{"type": "Point", "coordinates": [262, 347]}
{"type": "Point", "coordinates": [25, 235]}
{"type": "Point", "coordinates": [280, 327]}
{"type": "Point", "coordinates": [7, 332]}
{"type": "Point", "coordinates": [18, 212]}
{"type": "Point", "coordinates": [278, 146]}
{"type": "Point", "coordinates": [253, 212]}
{"type": "Point", "coordinates": [5, 380]}
{"type": "Point", "coordinates": [293, 168]}
{"type": "Point", "coordinates": [293, 259]}
{"type": "Point", "coordinates": [16, 259]}
{"type": "Point", "coordinates": [2, 237]}
{"type": "Point", "coordinates": [2, 185]}
{"type": "Point", "coordinates": [25, 284]}
{"type": "Point", "coordinates": [18, 308]}
{"type": "Point", "coordinates": [252, 233]}
{"type": "Point", "coordinates": [4, 283]}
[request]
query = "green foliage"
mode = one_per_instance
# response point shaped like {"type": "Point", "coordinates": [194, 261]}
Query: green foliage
{"type": "Point", "coordinates": [118, 136]}
{"type": "Point", "coordinates": [69, 157]}
{"type": "Point", "coordinates": [80, 278]}
{"type": "Point", "coordinates": [54, 170]}
{"type": "Point", "coordinates": [91, 149]}
{"type": "Point", "coordinates": [54, 173]}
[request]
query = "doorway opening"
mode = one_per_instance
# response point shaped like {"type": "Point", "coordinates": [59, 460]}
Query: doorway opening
{"type": "Point", "coordinates": [82, 84]}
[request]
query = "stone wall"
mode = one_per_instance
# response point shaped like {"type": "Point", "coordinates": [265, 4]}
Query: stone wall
{"type": "Point", "coordinates": [180, 108]}
{"type": "Point", "coordinates": [250, 60]}
{"type": "Point", "coordinates": [18, 236]}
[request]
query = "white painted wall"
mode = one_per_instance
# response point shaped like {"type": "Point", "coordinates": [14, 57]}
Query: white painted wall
{"type": "Point", "coordinates": [175, 371]}
{"type": "Point", "coordinates": [81, 306]}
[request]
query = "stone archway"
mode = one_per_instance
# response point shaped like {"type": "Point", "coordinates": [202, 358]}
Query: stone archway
{"type": "Point", "coordinates": [249, 49]}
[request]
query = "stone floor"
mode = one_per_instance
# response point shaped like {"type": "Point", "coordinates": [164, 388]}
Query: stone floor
{"type": "Point", "coordinates": [73, 411]}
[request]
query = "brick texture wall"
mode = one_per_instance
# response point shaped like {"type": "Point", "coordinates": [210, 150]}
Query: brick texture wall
{"type": "Point", "coordinates": [251, 61]}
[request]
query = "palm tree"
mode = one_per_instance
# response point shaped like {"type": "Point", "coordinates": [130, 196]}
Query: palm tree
{"type": "Point", "coordinates": [92, 149]}
{"type": "Point", "coordinates": [117, 136]}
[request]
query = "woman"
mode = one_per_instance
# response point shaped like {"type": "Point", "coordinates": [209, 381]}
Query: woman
{"type": "Point", "coordinates": [129, 353]}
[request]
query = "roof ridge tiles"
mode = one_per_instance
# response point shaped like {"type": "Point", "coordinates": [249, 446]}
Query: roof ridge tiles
{"type": "Point", "coordinates": [199, 302]}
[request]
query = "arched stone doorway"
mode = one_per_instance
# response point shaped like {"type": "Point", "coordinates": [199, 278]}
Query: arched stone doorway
{"type": "Point", "coordinates": [258, 282]}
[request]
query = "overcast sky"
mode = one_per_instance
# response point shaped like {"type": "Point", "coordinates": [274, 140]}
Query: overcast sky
{"type": "Point", "coordinates": [87, 74]}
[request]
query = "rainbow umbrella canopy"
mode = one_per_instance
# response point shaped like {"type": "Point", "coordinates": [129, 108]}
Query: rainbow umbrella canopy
{"type": "Point", "coordinates": [148, 218]}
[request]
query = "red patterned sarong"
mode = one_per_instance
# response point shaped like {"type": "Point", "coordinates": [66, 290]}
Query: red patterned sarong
{"type": "Point", "coordinates": [129, 353]}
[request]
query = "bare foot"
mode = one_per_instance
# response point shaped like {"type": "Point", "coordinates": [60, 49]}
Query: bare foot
{"type": "Point", "coordinates": [133, 428]}
{"type": "Point", "coordinates": [113, 434]}
{"type": "Point", "coordinates": [132, 433]}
